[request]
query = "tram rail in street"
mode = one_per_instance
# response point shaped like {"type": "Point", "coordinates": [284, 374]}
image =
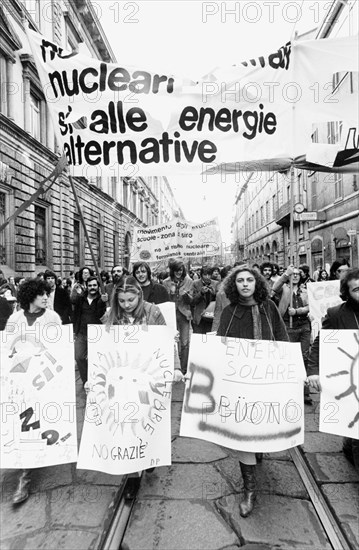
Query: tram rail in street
{"type": "Point", "coordinates": [328, 520]}
{"type": "Point", "coordinates": [114, 533]}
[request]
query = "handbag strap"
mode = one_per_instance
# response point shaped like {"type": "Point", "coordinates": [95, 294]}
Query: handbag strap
{"type": "Point", "coordinates": [230, 322]}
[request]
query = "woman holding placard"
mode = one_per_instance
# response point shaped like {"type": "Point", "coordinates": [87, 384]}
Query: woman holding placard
{"type": "Point", "coordinates": [129, 308]}
{"type": "Point", "coordinates": [32, 297]}
{"type": "Point", "coordinates": [251, 315]}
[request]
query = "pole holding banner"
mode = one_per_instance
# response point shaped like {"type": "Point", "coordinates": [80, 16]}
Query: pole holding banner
{"type": "Point", "coordinates": [40, 191]}
{"type": "Point", "coordinates": [87, 237]}
{"type": "Point", "coordinates": [291, 236]}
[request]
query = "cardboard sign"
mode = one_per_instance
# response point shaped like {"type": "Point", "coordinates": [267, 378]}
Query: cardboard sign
{"type": "Point", "coordinates": [38, 403]}
{"type": "Point", "coordinates": [244, 394]}
{"type": "Point", "coordinates": [339, 378]}
{"type": "Point", "coordinates": [127, 426]}
{"type": "Point", "coordinates": [176, 238]}
{"type": "Point", "coordinates": [321, 296]}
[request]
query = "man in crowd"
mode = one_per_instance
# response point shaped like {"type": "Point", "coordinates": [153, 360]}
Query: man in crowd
{"type": "Point", "coordinates": [180, 289]}
{"type": "Point", "coordinates": [88, 310]}
{"type": "Point", "coordinates": [154, 293]}
{"type": "Point", "coordinates": [116, 273]}
{"type": "Point", "coordinates": [204, 292]}
{"type": "Point", "coordinates": [266, 270]}
{"type": "Point", "coordinates": [304, 275]}
{"type": "Point", "coordinates": [343, 316]}
{"type": "Point", "coordinates": [58, 299]}
{"type": "Point", "coordinates": [295, 315]}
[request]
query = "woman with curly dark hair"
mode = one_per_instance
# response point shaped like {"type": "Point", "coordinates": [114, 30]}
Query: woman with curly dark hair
{"type": "Point", "coordinates": [252, 315]}
{"type": "Point", "coordinates": [32, 297]}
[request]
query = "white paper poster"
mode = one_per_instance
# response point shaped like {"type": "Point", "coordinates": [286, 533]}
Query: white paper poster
{"type": "Point", "coordinates": [244, 394]}
{"type": "Point", "coordinates": [38, 403]}
{"type": "Point", "coordinates": [339, 378]}
{"type": "Point", "coordinates": [176, 238]}
{"type": "Point", "coordinates": [321, 296]}
{"type": "Point", "coordinates": [127, 425]}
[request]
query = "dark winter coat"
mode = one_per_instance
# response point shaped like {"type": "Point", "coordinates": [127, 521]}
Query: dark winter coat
{"type": "Point", "coordinates": [62, 305]}
{"type": "Point", "coordinates": [338, 318]}
{"type": "Point", "coordinates": [273, 327]}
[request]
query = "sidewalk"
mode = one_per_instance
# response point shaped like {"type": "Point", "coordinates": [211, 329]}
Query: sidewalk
{"type": "Point", "coordinates": [67, 508]}
{"type": "Point", "coordinates": [193, 504]}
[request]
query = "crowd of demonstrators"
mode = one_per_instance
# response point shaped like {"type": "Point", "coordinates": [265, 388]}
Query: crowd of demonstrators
{"type": "Point", "coordinates": [247, 302]}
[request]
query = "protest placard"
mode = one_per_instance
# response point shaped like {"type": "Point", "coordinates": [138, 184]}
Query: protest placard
{"type": "Point", "coordinates": [244, 394]}
{"type": "Point", "coordinates": [38, 404]}
{"type": "Point", "coordinates": [128, 422]}
{"type": "Point", "coordinates": [176, 238]}
{"type": "Point", "coordinates": [321, 296]}
{"type": "Point", "coordinates": [339, 378]}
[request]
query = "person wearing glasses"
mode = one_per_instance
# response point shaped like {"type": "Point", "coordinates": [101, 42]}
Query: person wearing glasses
{"type": "Point", "coordinates": [295, 316]}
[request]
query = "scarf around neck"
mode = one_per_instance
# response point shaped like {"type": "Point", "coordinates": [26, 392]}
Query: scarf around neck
{"type": "Point", "coordinates": [256, 316]}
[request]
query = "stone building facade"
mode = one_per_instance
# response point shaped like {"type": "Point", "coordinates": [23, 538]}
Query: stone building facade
{"type": "Point", "coordinates": [49, 234]}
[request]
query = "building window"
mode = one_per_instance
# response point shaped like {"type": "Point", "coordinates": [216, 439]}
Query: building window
{"type": "Point", "coordinates": [141, 210]}
{"type": "Point", "coordinates": [2, 233]}
{"type": "Point", "coordinates": [262, 216]}
{"type": "Point", "coordinates": [134, 203]}
{"type": "Point", "coordinates": [267, 212]}
{"type": "Point", "coordinates": [34, 9]}
{"type": "Point", "coordinates": [40, 236]}
{"type": "Point", "coordinates": [76, 242]}
{"type": "Point", "coordinates": [257, 219]}
{"type": "Point", "coordinates": [125, 194]}
{"type": "Point", "coordinates": [35, 117]}
{"type": "Point", "coordinates": [99, 245]}
{"type": "Point", "coordinates": [273, 207]}
{"type": "Point", "coordinates": [338, 185]}
{"type": "Point", "coordinates": [113, 187]}
{"type": "Point", "coordinates": [115, 245]}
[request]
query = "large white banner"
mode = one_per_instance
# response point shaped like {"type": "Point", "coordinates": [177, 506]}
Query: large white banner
{"type": "Point", "coordinates": [321, 296]}
{"type": "Point", "coordinates": [38, 403]}
{"type": "Point", "coordinates": [122, 120]}
{"type": "Point", "coordinates": [128, 422]}
{"type": "Point", "coordinates": [176, 238]}
{"type": "Point", "coordinates": [339, 378]}
{"type": "Point", "coordinates": [244, 394]}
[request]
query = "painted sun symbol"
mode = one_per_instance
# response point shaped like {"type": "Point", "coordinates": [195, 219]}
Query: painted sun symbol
{"type": "Point", "coordinates": [353, 379]}
{"type": "Point", "coordinates": [122, 384]}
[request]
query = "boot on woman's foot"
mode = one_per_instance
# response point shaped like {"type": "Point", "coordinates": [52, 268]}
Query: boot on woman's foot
{"type": "Point", "coordinates": [249, 478]}
{"type": "Point", "coordinates": [23, 488]}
